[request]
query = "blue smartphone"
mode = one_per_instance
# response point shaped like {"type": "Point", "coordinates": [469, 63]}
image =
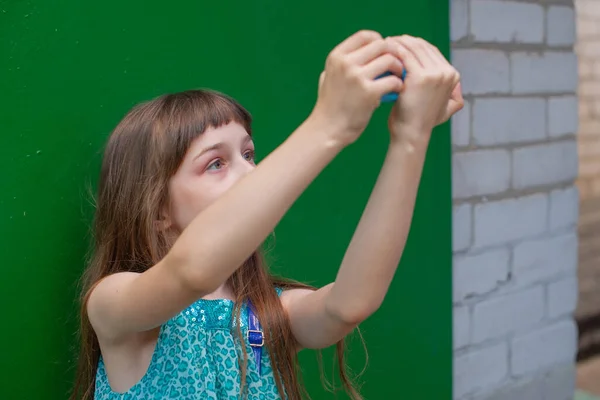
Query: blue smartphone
{"type": "Point", "coordinates": [392, 96]}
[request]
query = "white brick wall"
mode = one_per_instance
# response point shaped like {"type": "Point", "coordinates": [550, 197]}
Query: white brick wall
{"type": "Point", "coordinates": [560, 21]}
{"type": "Point", "coordinates": [562, 115]}
{"type": "Point", "coordinates": [543, 73]}
{"type": "Point", "coordinates": [517, 120]}
{"type": "Point", "coordinates": [515, 204]}
{"type": "Point", "coordinates": [520, 22]}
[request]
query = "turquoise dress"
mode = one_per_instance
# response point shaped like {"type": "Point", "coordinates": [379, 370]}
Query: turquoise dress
{"type": "Point", "coordinates": [196, 358]}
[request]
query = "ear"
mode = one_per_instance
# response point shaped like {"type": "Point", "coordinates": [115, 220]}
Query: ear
{"type": "Point", "coordinates": [162, 225]}
{"type": "Point", "coordinates": [164, 222]}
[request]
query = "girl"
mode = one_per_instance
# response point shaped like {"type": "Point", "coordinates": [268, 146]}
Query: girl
{"type": "Point", "coordinates": [177, 302]}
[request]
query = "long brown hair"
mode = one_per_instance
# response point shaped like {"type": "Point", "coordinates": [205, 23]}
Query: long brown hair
{"type": "Point", "coordinates": [144, 151]}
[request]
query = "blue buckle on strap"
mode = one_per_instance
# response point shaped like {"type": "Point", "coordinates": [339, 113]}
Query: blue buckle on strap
{"type": "Point", "coordinates": [255, 335]}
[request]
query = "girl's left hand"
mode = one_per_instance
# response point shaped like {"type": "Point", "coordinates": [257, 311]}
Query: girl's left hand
{"type": "Point", "coordinates": [431, 93]}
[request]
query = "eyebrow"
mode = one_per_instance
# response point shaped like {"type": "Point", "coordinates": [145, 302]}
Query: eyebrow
{"type": "Point", "coordinates": [218, 146]}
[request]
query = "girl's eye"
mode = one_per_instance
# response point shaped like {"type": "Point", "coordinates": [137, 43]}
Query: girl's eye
{"type": "Point", "coordinates": [215, 165]}
{"type": "Point", "coordinates": [249, 156]}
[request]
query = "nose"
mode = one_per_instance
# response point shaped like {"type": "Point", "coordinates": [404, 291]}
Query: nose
{"type": "Point", "coordinates": [248, 167]}
{"type": "Point", "coordinates": [243, 167]}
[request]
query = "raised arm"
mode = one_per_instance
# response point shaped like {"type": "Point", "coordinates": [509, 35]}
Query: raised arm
{"type": "Point", "coordinates": [224, 235]}
{"type": "Point", "coordinates": [322, 318]}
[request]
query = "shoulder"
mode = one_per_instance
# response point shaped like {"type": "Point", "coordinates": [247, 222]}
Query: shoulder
{"type": "Point", "coordinates": [289, 296]}
{"type": "Point", "coordinates": [108, 288]}
{"type": "Point", "coordinates": [103, 296]}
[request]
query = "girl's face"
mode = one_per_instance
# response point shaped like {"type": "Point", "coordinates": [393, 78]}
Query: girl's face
{"type": "Point", "coordinates": [214, 162]}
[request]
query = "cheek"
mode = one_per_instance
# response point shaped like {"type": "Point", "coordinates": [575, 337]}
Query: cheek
{"type": "Point", "coordinates": [189, 201]}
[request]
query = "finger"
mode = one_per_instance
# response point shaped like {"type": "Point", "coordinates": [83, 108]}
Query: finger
{"type": "Point", "coordinates": [434, 54]}
{"type": "Point", "coordinates": [457, 93]}
{"type": "Point", "coordinates": [356, 41]}
{"type": "Point", "coordinates": [369, 52]}
{"type": "Point", "coordinates": [452, 108]}
{"type": "Point", "coordinates": [455, 104]}
{"type": "Point", "coordinates": [438, 54]}
{"type": "Point", "coordinates": [419, 48]}
{"type": "Point", "coordinates": [431, 51]}
{"type": "Point", "coordinates": [407, 57]}
{"type": "Point", "coordinates": [452, 73]}
{"type": "Point", "coordinates": [390, 83]}
{"type": "Point", "coordinates": [384, 63]}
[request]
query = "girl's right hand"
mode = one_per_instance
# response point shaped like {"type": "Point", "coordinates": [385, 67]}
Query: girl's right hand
{"type": "Point", "coordinates": [432, 92]}
{"type": "Point", "coordinates": [348, 90]}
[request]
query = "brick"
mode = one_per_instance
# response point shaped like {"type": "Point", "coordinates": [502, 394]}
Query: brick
{"type": "Point", "coordinates": [507, 21]}
{"type": "Point", "coordinates": [590, 166]}
{"type": "Point", "coordinates": [589, 8]}
{"type": "Point", "coordinates": [585, 68]}
{"type": "Point", "coordinates": [480, 172]}
{"type": "Point", "coordinates": [560, 383]}
{"type": "Point", "coordinates": [595, 76]}
{"type": "Point", "coordinates": [544, 348]}
{"type": "Point", "coordinates": [596, 107]}
{"type": "Point", "coordinates": [585, 187]}
{"type": "Point", "coordinates": [585, 109]}
{"type": "Point", "coordinates": [589, 49]}
{"type": "Point", "coordinates": [543, 259]}
{"type": "Point", "coordinates": [529, 389]}
{"type": "Point", "coordinates": [461, 227]}
{"type": "Point", "coordinates": [562, 297]}
{"type": "Point", "coordinates": [564, 208]}
{"type": "Point", "coordinates": [480, 273]}
{"type": "Point", "coordinates": [547, 73]}
{"type": "Point", "coordinates": [508, 120]}
{"type": "Point", "coordinates": [459, 19]}
{"type": "Point", "coordinates": [461, 320]}
{"type": "Point", "coordinates": [461, 126]}
{"type": "Point", "coordinates": [479, 369]}
{"type": "Point", "coordinates": [594, 183]}
{"type": "Point", "coordinates": [587, 28]}
{"type": "Point", "coordinates": [509, 220]}
{"type": "Point", "coordinates": [590, 127]}
{"type": "Point", "coordinates": [589, 90]}
{"type": "Point", "coordinates": [563, 116]}
{"type": "Point", "coordinates": [594, 187]}
{"type": "Point", "coordinates": [588, 148]}
{"type": "Point", "coordinates": [561, 26]}
{"type": "Point", "coordinates": [594, 61]}
{"type": "Point", "coordinates": [544, 164]}
{"type": "Point", "coordinates": [497, 317]}
{"type": "Point", "coordinates": [586, 145]}
{"type": "Point", "coordinates": [482, 71]}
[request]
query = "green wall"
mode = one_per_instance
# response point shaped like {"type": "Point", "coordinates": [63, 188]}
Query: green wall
{"type": "Point", "coordinates": [70, 69]}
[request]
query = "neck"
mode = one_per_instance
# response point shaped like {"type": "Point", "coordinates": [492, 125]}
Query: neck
{"type": "Point", "coordinates": [223, 292]}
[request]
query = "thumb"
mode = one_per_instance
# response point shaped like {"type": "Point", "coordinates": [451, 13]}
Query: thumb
{"type": "Point", "coordinates": [455, 104]}
{"type": "Point", "coordinates": [457, 93]}
{"type": "Point", "coordinates": [452, 108]}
